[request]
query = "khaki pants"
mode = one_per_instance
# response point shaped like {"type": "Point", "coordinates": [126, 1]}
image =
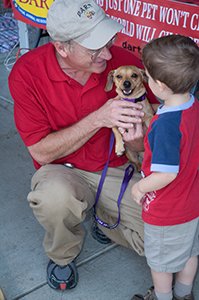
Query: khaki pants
{"type": "Point", "coordinates": [61, 196]}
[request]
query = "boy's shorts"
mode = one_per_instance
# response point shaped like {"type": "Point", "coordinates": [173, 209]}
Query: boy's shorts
{"type": "Point", "coordinates": [167, 248]}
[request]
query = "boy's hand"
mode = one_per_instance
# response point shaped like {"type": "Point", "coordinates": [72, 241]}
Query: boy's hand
{"type": "Point", "coordinates": [137, 194]}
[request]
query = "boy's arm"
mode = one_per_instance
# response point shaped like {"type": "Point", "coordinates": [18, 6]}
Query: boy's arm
{"type": "Point", "coordinates": [153, 182]}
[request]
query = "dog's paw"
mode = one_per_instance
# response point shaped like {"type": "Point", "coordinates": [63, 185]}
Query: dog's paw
{"type": "Point", "coordinates": [119, 150]}
{"type": "Point", "coordinates": [138, 166]}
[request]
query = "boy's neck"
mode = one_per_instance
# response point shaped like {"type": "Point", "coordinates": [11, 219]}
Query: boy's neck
{"type": "Point", "coordinates": [176, 99]}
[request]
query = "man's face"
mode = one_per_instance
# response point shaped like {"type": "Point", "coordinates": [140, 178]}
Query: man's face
{"type": "Point", "coordinates": [81, 58]}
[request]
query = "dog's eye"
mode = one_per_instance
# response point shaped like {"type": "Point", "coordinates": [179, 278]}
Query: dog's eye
{"type": "Point", "coordinates": [134, 75]}
{"type": "Point", "coordinates": [119, 76]}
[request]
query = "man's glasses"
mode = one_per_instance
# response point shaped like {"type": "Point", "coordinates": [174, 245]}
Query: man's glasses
{"type": "Point", "coordinates": [95, 54]}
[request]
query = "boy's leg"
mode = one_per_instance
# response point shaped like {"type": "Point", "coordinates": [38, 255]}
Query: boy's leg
{"type": "Point", "coordinates": [187, 275]}
{"type": "Point", "coordinates": [162, 282]}
{"type": "Point", "coordinates": [184, 279]}
{"type": "Point", "coordinates": [168, 249]}
{"type": "Point", "coordinates": [162, 289]}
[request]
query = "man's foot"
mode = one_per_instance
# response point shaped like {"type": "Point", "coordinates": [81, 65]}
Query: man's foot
{"type": "Point", "coordinates": [150, 296]}
{"type": "Point", "coordinates": [98, 235]}
{"type": "Point", "coordinates": [187, 297]}
{"type": "Point", "coordinates": [62, 277]}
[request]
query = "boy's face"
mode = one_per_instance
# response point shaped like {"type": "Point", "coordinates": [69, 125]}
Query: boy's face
{"type": "Point", "coordinates": [154, 86]}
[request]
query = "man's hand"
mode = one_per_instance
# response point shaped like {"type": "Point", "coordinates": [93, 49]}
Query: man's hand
{"type": "Point", "coordinates": [120, 114]}
{"type": "Point", "coordinates": [134, 137]}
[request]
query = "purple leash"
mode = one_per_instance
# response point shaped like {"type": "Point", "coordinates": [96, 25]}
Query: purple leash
{"type": "Point", "coordinates": [127, 177]}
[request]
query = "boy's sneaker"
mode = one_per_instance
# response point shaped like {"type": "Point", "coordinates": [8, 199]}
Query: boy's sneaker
{"type": "Point", "coordinates": [62, 277]}
{"type": "Point", "coordinates": [187, 297]}
{"type": "Point", "coordinates": [150, 296]}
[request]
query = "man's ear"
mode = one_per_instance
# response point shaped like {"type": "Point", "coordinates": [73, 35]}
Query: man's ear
{"type": "Point", "coordinates": [61, 49]}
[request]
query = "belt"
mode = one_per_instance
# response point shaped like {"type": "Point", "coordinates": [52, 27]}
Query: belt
{"type": "Point", "coordinates": [68, 165]}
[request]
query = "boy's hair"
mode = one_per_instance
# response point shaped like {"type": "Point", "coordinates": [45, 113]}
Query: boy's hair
{"type": "Point", "coordinates": [173, 60]}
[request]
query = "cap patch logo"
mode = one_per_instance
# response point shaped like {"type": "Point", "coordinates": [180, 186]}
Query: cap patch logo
{"type": "Point", "coordinates": [89, 14]}
{"type": "Point", "coordinates": [85, 10]}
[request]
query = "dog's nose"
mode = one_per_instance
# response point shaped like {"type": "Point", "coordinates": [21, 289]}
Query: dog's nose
{"type": "Point", "coordinates": [127, 84]}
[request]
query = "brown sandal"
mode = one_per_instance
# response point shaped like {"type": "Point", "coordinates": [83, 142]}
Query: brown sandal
{"type": "Point", "coordinates": [187, 297]}
{"type": "Point", "coordinates": [150, 296]}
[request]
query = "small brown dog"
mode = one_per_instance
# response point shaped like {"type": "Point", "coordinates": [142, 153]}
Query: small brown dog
{"type": "Point", "coordinates": [129, 86]}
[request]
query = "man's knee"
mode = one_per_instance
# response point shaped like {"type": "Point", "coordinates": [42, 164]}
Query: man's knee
{"type": "Point", "coordinates": [56, 191]}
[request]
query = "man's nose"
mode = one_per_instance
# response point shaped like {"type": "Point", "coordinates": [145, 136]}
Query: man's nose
{"type": "Point", "coordinates": [106, 54]}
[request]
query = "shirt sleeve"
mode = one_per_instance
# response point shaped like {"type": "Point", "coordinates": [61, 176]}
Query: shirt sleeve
{"type": "Point", "coordinates": [165, 142]}
{"type": "Point", "coordinates": [30, 116]}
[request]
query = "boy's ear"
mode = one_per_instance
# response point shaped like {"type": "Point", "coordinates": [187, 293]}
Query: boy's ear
{"type": "Point", "coordinates": [61, 49]}
{"type": "Point", "coordinates": [162, 86]}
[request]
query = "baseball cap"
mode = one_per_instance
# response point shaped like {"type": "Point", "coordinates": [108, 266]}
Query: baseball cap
{"type": "Point", "coordinates": [85, 22]}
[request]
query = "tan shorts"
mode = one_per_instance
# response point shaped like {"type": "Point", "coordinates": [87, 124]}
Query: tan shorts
{"type": "Point", "coordinates": [167, 248]}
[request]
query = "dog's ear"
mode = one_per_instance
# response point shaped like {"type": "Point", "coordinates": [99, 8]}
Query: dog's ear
{"type": "Point", "coordinates": [109, 84]}
{"type": "Point", "coordinates": [144, 76]}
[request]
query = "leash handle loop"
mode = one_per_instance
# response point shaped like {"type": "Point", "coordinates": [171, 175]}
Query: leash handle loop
{"type": "Point", "coordinates": [127, 177]}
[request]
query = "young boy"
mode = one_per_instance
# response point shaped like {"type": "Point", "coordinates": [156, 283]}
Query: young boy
{"type": "Point", "coordinates": [169, 188]}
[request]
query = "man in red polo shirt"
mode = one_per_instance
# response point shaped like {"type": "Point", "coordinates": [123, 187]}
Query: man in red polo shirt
{"type": "Point", "coordinates": [65, 117]}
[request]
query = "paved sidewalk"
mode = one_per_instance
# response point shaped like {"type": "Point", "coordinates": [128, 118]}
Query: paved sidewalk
{"type": "Point", "coordinates": [105, 272]}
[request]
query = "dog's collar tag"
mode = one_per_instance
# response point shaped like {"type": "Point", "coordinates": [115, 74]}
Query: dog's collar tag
{"type": "Point", "coordinates": [141, 98]}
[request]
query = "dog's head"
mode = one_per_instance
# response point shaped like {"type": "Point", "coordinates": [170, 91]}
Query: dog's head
{"type": "Point", "coordinates": [128, 80]}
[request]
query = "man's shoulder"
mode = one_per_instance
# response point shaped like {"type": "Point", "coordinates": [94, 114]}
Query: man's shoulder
{"type": "Point", "coordinates": [30, 61]}
{"type": "Point", "coordinates": [37, 53]}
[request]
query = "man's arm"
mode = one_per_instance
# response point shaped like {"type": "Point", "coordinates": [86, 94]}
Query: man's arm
{"type": "Point", "coordinates": [153, 182]}
{"type": "Point", "coordinates": [64, 142]}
